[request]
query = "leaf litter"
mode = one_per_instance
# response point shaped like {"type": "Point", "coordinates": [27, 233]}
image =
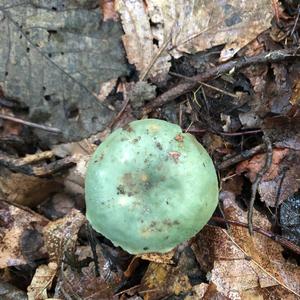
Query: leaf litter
{"type": "Point", "coordinates": [47, 249]}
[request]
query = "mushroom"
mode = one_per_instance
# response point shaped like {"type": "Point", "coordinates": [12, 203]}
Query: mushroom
{"type": "Point", "coordinates": [150, 187]}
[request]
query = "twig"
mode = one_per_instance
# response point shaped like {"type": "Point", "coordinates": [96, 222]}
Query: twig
{"type": "Point", "coordinates": [278, 195]}
{"type": "Point", "coordinates": [30, 124]}
{"type": "Point", "coordinates": [296, 21]}
{"type": "Point", "coordinates": [34, 158]}
{"type": "Point", "coordinates": [258, 265]}
{"type": "Point", "coordinates": [120, 113]}
{"type": "Point", "coordinates": [257, 180]}
{"type": "Point", "coordinates": [234, 65]}
{"type": "Point", "coordinates": [240, 157]}
{"type": "Point", "coordinates": [17, 165]}
{"type": "Point", "coordinates": [240, 132]}
{"type": "Point", "coordinates": [282, 241]}
{"type": "Point", "coordinates": [205, 84]}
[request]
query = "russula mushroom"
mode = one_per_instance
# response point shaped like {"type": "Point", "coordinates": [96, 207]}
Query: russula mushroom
{"type": "Point", "coordinates": [149, 187]}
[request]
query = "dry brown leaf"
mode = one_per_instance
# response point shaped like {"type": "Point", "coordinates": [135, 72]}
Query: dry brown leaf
{"type": "Point", "coordinates": [17, 225]}
{"type": "Point", "coordinates": [259, 265]}
{"type": "Point", "coordinates": [83, 281]}
{"type": "Point", "coordinates": [161, 280]}
{"type": "Point", "coordinates": [162, 258]}
{"type": "Point", "coordinates": [80, 153]}
{"type": "Point", "coordinates": [61, 235]}
{"type": "Point", "coordinates": [24, 189]}
{"type": "Point", "coordinates": [205, 291]}
{"type": "Point", "coordinates": [187, 27]}
{"type": "Point", "coordinates": [138, 38]}
{"type": "Point", "coordinates": [41, 281]}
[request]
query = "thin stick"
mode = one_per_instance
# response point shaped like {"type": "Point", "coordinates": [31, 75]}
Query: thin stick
{"type": "Point", "coordinates": [240, 132]}
{"type": "Point", "coordinates": [30, 124]}
{"type": "Point", "coordinates": [120, 113]}
{"type": "Point", "coordinates": [240, 157]}
{"type": "Point", "coordinates": [296, 21]}
{"type": "Point", "coordinates": [234, 65]}
{"type": "Point", "coordinates": [257, 181]}
{"type": "Point", "coordinates": [204, 84]}
{"type": "Point", "coordinates": [34, 158]}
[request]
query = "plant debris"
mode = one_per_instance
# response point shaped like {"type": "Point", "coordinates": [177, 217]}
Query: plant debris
{"type": "Point", "coordinates": [226, 72]}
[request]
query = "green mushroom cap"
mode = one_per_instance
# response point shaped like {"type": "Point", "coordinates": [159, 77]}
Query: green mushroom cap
{"type": "Point", "coordinates": [149, 187]}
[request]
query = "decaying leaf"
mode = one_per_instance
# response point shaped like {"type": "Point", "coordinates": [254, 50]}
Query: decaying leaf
{"type": "Point", "coordinates": [79, 277]}
{"type": "Point", "coordinates": [54, 56]}
{"type": "Point", "coordinates": [255, 164]}
{"type": "Point", "coordinates": [139, 92]}
{"type": "Point", "coordinates": [61, 235]}
{"type": "Point", "coordinates": [80, 153]}
{"type": "Point", "coordinates": [41, 281]}
{"type": "Point", "coordinates": [282, 179]}
{"type": "Point", "coordinates": [205, 291]}
{"type": "Point", "coordinates": [60, 204]}
{"type": "Point", "coordinates": [284, 131]}
{"type": "Point", "coordinates": [187, 27]}
{"type": "Point", "coordinates": [18, 227]}
{"type": "Point", "coordinates": [10, 292]}
{"type": "Point", "coordinates": [25, 189]}
{"type": "Point", "coordinates": [239, 262]}
{"type": "Point", "coordinates": [138, 38]}
{"type": "Point", "coordinates": [290, 219]}
{"type": "Point", "coordinates": [165, 258]}
{"type": "Point", "coordinates": [162, 280]}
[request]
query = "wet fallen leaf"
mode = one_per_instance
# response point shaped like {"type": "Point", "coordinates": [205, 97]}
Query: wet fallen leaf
{"type": "Point", "coordinates": [139, 92]}
{"type": "Point", "coordinates": [41, 281]}
{"type": "Point", "coordinates": [60, 47]}
{"type": "Point", "coordinates": [154, 26]}
{"type": "Point", "coordinates": [80, 153]}
{"type": "Point", "coordinates": [282, 178]}
{"type": "Point", "coordinates": [161, 279]}
{"type": "Point", "coordinates": [24, 189]}
{"type": "Point", "coordinates": [163, 258]}
{"type": "Point", "coordinates": [239, 262]}
{"type": "Point", "coordinates": [290, 219]}
{"type": "Point", "coordinates": [17, 226]}
{"type": "Point", "coordinates": [79, 278]}
{"type": "Point", "coordinates": [61, 235]}
{"type": "Point", "coordinates": [284, 131]}
{"type": "Point", "coordinates": [59, 204]}
{"type": "Point", "coordinates": [10, 292]}
{"type": "Point", "coordinates": [256, 163]}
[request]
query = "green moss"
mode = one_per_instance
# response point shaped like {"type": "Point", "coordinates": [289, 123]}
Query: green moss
{"type": "Point", "coordinates": [150, 187]}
